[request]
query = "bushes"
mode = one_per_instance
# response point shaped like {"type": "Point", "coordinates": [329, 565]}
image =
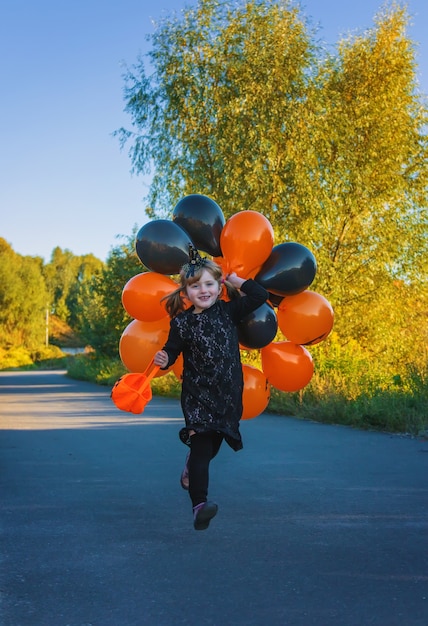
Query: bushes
{"type": "Point", "coordinates": [46, 357]}
{"type": "Point", "coordinates": [99, 369]}
{"type": "Point", "coordinates": [350, 387]}
{"type": "Point", "coordinates": [391, 411]}
{"type": "Point", "coordinates": [12, 358]}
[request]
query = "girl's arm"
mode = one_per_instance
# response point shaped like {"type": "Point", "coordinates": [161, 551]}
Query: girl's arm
{"type": "Point", "coordinates": [172, 348]}
{"type": "Point", "coordinates": [255, 296]}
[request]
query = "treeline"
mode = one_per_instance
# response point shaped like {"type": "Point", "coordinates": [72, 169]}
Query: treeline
{"type": "Point", "coordinates": [80, 293]}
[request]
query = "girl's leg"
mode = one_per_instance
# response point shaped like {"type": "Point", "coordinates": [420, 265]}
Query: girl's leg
{"type": "Point", "coordinates": [204, 447]}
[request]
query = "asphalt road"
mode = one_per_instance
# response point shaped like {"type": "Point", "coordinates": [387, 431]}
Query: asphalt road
{"type": "Point", "coordinates": [317, 526]}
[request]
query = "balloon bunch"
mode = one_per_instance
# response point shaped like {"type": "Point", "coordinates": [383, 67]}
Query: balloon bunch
{"type": "Point", "coordinates": [243, 244]}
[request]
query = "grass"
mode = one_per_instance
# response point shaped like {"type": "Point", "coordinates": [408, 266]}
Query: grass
{"type": "Point", "coordinates": [398, 412]}
{"type": "Point", "coordinates": [395, 408]}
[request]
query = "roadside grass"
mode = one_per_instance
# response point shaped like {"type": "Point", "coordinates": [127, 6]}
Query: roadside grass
{"type": "Point", "coordinates": [395, 404]}
{"type": "Point", "coordinates": [387, 411]}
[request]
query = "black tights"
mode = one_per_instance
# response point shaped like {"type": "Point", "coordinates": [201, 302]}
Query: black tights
{"type": "Point", "coordinates": [203, 448]}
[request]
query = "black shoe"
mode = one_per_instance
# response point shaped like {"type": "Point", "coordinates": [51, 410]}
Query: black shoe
{"type": "Point", "coordinates": [203, 514]}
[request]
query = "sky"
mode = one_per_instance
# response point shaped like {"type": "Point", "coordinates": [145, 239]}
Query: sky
{"type": "Point", "coordinates": [64, 180]}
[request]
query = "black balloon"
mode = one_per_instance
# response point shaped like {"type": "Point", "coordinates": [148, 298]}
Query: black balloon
{"type": "Point", "coordinates": [275, 300]}
{"type": "Point", "coordinates": [202, 219]}
{"type": "Point", "coordinates": [162, 246]}
{"type": "Point", "coordinates": [258, 328]}
{"type": "Point", "coordinates": [290, 269]}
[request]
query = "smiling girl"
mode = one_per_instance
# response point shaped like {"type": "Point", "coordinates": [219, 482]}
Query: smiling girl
{"type": "Point", "coordinates": [211, 397]}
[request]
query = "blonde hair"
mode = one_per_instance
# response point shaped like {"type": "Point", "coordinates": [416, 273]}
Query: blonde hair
{"type": "Point", "coordinates": [175, 302]}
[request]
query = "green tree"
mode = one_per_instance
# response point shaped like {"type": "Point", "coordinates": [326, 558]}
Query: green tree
{"type": "Point", "coordinates": [370, 176]}
{"type": "Point", "coordinates": [23, 299]}
{"type": "Point", "coordinates": [242, 105]}
{"type": "Point", "coordinates": [87, 267]}
{"type": "Point", "coordinates": [218, 114]}
{"type": "Point", "coordinates": [60, 274]}
{"type": "Point", "coordinates": [102, 318]}
{"type": "Point", "coordinates": [65, 276]}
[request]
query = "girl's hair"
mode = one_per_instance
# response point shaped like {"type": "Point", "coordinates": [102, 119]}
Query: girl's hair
{"type": "Point", "coordinates": [175, 302]}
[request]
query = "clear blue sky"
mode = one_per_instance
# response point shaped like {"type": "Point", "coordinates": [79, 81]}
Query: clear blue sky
{"type": "Point", "coordinates": [63, 179]}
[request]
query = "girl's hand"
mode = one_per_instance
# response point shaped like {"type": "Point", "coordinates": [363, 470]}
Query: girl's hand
{"type": "Point", "coordinates": [161, 358]}
{"type": "Point", "coordinates": [235, 280]}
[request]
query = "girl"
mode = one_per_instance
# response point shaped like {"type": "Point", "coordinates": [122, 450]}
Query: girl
{"type": "Point", "coordinates": [212, 386]}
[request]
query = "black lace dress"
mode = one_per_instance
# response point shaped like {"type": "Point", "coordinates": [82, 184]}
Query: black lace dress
{"type": "Point", "coordinates": [211, 397]}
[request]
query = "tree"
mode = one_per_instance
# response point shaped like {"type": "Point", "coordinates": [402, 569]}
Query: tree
{"type": "Point", "coordinates": [87, 267]}
{"type": "Point", "coordinates": [102, 318]}
{"type": "Point", "coordinates": [243, 106]}
{"type": "Point", "coordinates": [218, 113]}
{"type": "Point", "coordinates": [65, 276]}
{"type": "Point", "coordinates": [23, 299]}
{"type": "Point", "coordinates": [60, 274]}
{"type": "Point", "coordinates": [371, 172]}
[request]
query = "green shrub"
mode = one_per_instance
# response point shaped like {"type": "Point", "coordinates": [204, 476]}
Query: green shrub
{"type": "Point", "coordinates": [95, 368]}
{"type": "Point", "coordinates": [167, 385]}
{"type": "Point", "coordinates": [15, 357]}
{"type": "Point", "coordinates": [357, 393]}
{"type": "Point", "coordinates": [45, 357]}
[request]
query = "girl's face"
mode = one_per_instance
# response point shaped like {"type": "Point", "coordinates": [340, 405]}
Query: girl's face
{"type": "Point", "coordinates": [204, 292]}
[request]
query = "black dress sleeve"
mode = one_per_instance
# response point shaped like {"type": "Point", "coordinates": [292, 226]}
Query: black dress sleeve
{"type": "Point", "coordinates": [174, 344]}
{"type": "Point", "coordinates": [255, 296]}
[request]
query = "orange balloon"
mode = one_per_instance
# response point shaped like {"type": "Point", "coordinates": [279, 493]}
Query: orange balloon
{"type": "Point", "coordinates": [256, 393]}
{"type": "Point", "coordinates": [142, 295]}
{"type": "Point", "coordinates": [287, 366]}
{"type": "Point", "coordinates": [140, 341]}
{"type": "Point", "coordinates": [306, 318]}
{"type": "Point", "coordinates": [222, 262]}
{"type": "Point", "coordinates": [252, 273]}
{"type": "Point", "coordinates": [246, 242]}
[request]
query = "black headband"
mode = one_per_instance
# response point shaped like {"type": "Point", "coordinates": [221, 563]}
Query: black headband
{"type": "Point", "coordinates": [196, 261]}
